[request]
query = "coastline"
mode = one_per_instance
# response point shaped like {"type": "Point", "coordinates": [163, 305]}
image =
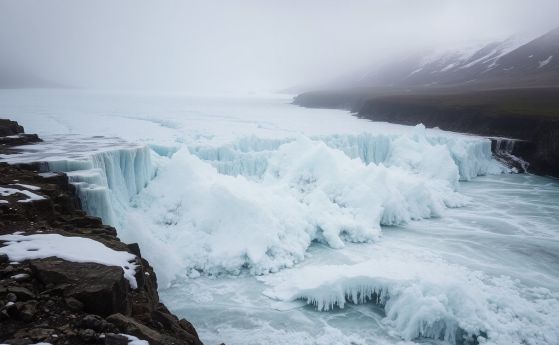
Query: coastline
{"type": "Point", "coordinates": [523, 115]}
{"type": "Point", "coordinates": [61, 301]}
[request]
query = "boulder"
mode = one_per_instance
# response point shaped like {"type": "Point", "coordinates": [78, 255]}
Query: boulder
{"type": "Point", "coordinates": [103, 290]}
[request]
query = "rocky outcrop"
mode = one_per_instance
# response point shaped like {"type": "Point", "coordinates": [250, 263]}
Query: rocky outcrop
{"type": "Point", "coordinates": [62, 302]}
{"type": "Point", "coordinates": [12, 134]}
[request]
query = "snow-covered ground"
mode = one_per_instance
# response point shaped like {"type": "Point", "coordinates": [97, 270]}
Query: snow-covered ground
{"type": "Point", "coordinates": [251, 208]}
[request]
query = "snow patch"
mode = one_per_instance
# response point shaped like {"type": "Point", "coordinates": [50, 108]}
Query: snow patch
{"type": "Point", "coordinates": [545, 62]}
{"type": "Point", "coordinates": [30, 195]}
{"type": "Point", "coordinates": [76, 249]}
{"type": "Point", "coordinates": [30, 187]}
{"type": "Point", "coordinates": [132, 340]}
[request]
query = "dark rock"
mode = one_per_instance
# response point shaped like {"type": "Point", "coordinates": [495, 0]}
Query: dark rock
{"type": "Point", "coordinates": [23, 294]}
{"type": "Point", "coordinates": [4, 259]}
{"type": "Point", "coordinates": [187, 326]}
{"type": "Point", "coordinates": [11, 310]}
{"type": "Point", "coordinates": [24, 341]}
{"type": "Point", "coordinates": [115, 339]}
{"type": "Point", "coordinates": [37, 334]}
{"type": "Point", "coordinates": [103, 290]}
{"type": "Point", "coordinates": [11, 297]}
{"type": "Point", "coordinates": [28, 311]}
{"type": "Point", "coordinates": [9, 127]}
{"type": "Point", "coordinates": [86, 334]}
{"type": "Point", "coordinates": [134, 248]}
{"type": "Point", "coordinates": [95, 323]}
{"type": "Point", "coordinates": [74, 304]}
{"type": "Point", "coordinates": [131, 326]}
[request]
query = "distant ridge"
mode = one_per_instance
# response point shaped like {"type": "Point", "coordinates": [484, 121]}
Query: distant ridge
{"type": "Point", "coordinates": [514, 62]}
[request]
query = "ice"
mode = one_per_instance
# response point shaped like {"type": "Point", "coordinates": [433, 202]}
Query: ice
{"type": "Point", "coordinates": [309, 191]}
{"type": "Point", "coordinates": [76, 249]}
{"type": "Point", "coordinates": [429, 298]}
{"type": "Point", "coordinates": [106, 171]}
{"type": "Point", "coordinates": [237, 199]}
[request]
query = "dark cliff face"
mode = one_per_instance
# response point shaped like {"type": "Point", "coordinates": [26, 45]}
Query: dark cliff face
{"type": "Point", "coordinates": [531, 115]}
{"type": "Point", "coordinates": [538, 134]}
{"type": "Point", "coordinates": [62, 302]}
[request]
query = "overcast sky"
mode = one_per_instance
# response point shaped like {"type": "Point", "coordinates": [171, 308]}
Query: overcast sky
{"type": "Point", "coordinates": [241, 45]}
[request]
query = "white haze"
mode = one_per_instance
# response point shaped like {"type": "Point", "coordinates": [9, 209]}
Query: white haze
{"type": "Point", "coordinates": [208, 46]}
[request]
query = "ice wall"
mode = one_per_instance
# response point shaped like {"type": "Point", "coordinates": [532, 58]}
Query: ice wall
{"type": "Point", "coordinates": [107, 172]}
{"type": "Point", "coordinates": [472, 156]}
{"type": "Point", "coordinates": [106, 181]}
{"type": "Point", "coordinates": [256, 204]}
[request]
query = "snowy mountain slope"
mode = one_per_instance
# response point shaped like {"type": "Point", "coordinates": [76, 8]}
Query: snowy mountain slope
{"type": "Point", "coordinates": [518, 60]}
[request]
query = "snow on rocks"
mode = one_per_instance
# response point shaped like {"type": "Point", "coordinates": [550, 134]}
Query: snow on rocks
{"type": "Point", "coordinates": [27, 186]}
{"type": "Point", "coordinates": [30, 195]}
{"type": "Point", "coordinates": [132, 340]}
{"type": "Point", "coordinates": [76, 249]}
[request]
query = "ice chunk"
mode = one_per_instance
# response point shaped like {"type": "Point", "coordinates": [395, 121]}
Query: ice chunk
{"type": "Point", "coordinates": [217, 223]}
{"type": "Point", "coordinates": [424, 298]}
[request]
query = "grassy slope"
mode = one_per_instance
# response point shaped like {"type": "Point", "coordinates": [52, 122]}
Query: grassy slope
{"type": "Point", "coordinates": [533, 102]}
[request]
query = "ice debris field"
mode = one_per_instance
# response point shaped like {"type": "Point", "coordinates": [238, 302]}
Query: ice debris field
{"type": "Point", "coordinates": [249, 209]}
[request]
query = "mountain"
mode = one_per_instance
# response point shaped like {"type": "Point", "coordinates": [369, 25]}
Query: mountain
{"type": "Point", "coordinates": [510, 63]}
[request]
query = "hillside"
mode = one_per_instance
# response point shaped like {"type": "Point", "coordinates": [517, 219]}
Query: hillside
{"type": "Point", "coordinates": [503, 89]}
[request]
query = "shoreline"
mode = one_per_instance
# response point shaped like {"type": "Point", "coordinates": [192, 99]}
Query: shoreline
{"type": "Point", "coordinates": [516, 114]}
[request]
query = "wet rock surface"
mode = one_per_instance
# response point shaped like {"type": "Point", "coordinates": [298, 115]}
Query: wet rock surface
{"type": "Point", "coordinates": [61, 302]}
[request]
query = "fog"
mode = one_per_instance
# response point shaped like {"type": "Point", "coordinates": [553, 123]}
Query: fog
{"type": "Point", "coordinates": [228, 46]}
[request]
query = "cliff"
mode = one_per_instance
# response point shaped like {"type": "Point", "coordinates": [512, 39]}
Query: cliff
{"type": "Point", "coordinates": [529, 115]}
{"type": "Point", "coordinates": [64, 300]}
